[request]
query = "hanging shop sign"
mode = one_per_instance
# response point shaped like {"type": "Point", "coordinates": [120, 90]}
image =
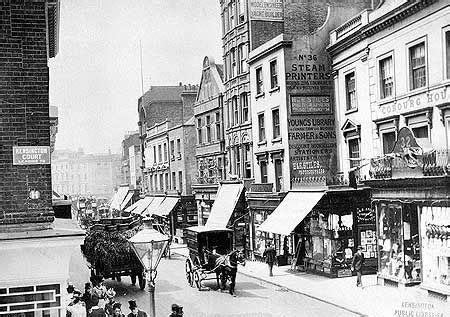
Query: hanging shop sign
{"type": "Point", "coordinates": [31, 155]}
{"type": "Point", "coordinates": [267, 10]}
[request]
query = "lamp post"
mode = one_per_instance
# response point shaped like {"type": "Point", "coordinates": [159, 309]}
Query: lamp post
{"type": "Point", "coordinates": [149, 245]}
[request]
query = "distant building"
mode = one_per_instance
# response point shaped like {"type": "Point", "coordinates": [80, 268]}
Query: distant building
{"type": "Point", "coordinates": [392, 80]}
{"type": "Point", "coordinates": [76, 173]}
{"type": "Point", "coordinates": [210, 146]}
{"type": "Point", "coordinates": [131, 172]}
{"type": "Point", "coordinates": [35, 248]}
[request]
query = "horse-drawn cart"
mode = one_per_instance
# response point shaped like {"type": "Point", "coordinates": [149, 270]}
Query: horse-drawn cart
{"type": "Point", "coordinates": [210, 255]}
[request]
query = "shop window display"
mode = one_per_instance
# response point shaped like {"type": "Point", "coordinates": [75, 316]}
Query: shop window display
{"type": "Point", "coordinates": [398, 243]}
{"type": "Point", "coordinates": [435, 235]}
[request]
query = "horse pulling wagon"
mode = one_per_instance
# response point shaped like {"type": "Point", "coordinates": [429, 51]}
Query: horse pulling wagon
{"type": "Point", "coordinates": [211, 256]}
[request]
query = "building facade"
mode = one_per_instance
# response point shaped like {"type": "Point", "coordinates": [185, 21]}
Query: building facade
{"type": "Point", "coordinates": [35, 250]}
{"type": "Point", "coordinates": [76, 173]}
{"type": "Point", "coordinates": [392, 74]}
{"type": "Point", "coordinates": [294, 142]}
{"type": "Point", "coordinates": [210, 146]}
{"type": "Point", "coordinates": [131, 160]}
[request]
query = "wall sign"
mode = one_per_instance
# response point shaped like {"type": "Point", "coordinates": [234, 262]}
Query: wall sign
{"type": "Point", "coordinates": [31, 155]}
{"type": "Point", "coordinates": [267, 10]}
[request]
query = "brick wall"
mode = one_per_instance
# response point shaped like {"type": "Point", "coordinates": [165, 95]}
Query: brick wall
{"type": "Point", "coordinates": [263, 31]}
{"type": "Point", "coordinates": [24, 112]}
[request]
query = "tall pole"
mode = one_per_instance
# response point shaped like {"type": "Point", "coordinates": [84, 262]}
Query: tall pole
{"type": "Point", "coordinates": [142, 76]}
{"type": "Point", "coordinates": [151, 290]}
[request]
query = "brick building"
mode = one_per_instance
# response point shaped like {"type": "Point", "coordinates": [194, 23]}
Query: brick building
{"type": "Point", "coordinates": [167, 135]}
{"type": "Point", "coordinates": [35, 251]}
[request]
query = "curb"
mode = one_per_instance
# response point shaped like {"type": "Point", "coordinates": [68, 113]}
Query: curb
{"type": "Point", "coordinates": [292, 290]}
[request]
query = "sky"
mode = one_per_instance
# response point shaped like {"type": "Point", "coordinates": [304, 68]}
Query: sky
{"type": "Point", "coordinates": [95, 80]}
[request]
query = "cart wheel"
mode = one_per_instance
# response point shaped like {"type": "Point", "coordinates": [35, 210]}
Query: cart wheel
{"type": "Point", "coordinates": [197, 280]}
{"type": "Point", "coordinates": [133, 279]}
{"type": "Point", "coordinates": [141, 278]}
{"type": "Point", "coordinates": [189, 275]}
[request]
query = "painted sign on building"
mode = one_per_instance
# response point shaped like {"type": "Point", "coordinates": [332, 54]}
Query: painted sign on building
{"type": "Point", "coordinates": [266, 10]}
{"type": "Point", "coordinates": [312, 140]}
{"type": "Point", "coordinates": [31, 155]}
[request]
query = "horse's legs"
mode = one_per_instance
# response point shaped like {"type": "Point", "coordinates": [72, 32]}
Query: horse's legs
{"type": "Point", "coordinates": [223, 279]}
{"type": "Point", "coordinates": [217, 278]}
{"type": "Point", "coordinates": [233, 274]}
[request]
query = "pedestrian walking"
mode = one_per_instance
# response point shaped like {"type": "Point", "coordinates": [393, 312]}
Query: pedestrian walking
{"type": "Point", "coordinates": [76, 307]}
{"type": "Point", "coordinates": [87, 297]}
{"type": "Point", "coordinates": [135, 312]}
{"type": "Point", "coordinates": [357, 264]}
{"type": "Point", "coordinates": [110, 293]}
{"type": "Point", "coordinates": [96, 311]}
{"type": "Point", "coordinates": [177, 311]}
{"type": "Point", "coordinates": [270, 255]}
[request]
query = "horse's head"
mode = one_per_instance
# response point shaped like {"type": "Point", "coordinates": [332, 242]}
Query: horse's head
{"type": "Point", "coordinates": [238, 257]}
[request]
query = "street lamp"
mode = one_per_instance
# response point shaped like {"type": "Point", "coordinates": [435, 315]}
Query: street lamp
{"type": "Point", "coordinates": [149, 245]}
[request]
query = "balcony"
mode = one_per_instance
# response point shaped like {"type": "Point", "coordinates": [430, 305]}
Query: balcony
{"type": "Point", "coordinates": [341, 179]}
{"type": "Point", "coordinates": [261, 188]}
{"type": "Point", "coordinates": [434, 163]}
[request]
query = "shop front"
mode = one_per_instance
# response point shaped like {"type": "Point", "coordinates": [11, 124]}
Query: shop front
{"type": "Point", "coordinates": [322, 229]}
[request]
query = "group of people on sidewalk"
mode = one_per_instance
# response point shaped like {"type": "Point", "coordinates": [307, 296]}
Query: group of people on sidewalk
{"type": "Point", "coordinates": [97, 301]}
{"type": "Point", "coordinates": [269, 255]}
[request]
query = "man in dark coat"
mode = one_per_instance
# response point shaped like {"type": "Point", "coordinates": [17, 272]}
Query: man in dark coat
{"type": "Point", "coordinates": [357, 264]}
{"type": "Point", "coordinates": [135, 312]}
{"type": "Point", "coordinates": [95, 310]}
{"type": "Point", "coordinates": [270, 255]}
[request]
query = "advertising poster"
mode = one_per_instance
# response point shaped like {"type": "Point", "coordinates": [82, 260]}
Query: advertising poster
{"type": "Point", "coordinates": [267, 10]}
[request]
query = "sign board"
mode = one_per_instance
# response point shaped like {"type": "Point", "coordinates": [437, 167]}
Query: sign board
{"type": "Point", "coordinates": [31, 155]}
{"type": "Point", "coordinates": [267, 10]}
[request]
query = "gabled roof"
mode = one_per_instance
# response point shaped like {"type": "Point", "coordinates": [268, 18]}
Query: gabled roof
{"type": "Point", "coordinates": [162, 93]}
{"type": "Point", "coordinates": [211, 83]}
{"type": "Point", "coordinates": [349, 125]}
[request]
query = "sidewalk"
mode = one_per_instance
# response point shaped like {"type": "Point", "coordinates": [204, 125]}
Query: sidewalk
{"type": "Point", "coordinates": [371, 300]}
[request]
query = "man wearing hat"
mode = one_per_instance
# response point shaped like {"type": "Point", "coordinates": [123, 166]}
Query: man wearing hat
{"type": "Point", "coordinates": [110, 293]}
{"type": "Point", "coordinates": [357, 264]}
{"type": "Point", "coordinates": [117, 310]}
{"type": "Point", "coordinates": [177, 311]}
{"type": "Point", "coordinates": [135, 312]}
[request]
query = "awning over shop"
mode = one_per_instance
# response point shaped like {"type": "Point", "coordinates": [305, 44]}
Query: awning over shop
{"type": "Point", "coordinates": [141, 205]}
{"type": "Point", "coordinates": [126, 200]}
{"type": "Point", "coordinates": [166, 206]}
{"type": "Point", "coordinates": [290, 212]}
{"type": "Point", "coordinates": [118, 198]}
{"type": "Point", "coordinates": [223, 207]}
{"type": "Point", "coordinates": [148, 211]}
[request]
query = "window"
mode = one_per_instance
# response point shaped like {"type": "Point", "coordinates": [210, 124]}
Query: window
{"type": "Point", "coordinates": [219, 168]}
{"type": "Point", "coordinates": [208, 129]}
{"type": "Point", "coordinates": [231, 12]}
{"type": "Point", "coordinates": [278, 174]}
{"type": "Point", "coordinates": [172, 149]}
{"type": "Point", "coordinates": [165, 152]}
{"type": "Point", "coordinates": [388, 141]}
{"type": "Point", "coordinates": [226, 66]}
{"type": "Point", "coordinates": [263, 169]}
{"type": "Point", "coordinates": [234, 104]}
{"type": "Point", "coordinates": [276, 123]}
{"type": "Point", "coordinates": [241, 12]}
{"type": "Point", "coordinates": [350, 90]}
{"type": "Point", "coordinates": [261, 128]}
{"type": "Point", "coordinates": [353, 152]}
{"type": "Point", "coordinates": [199, 131]}
{"type": "Point", "coordinates": [180, 181]}
{"type": "Point", "coordinates": [386, 77]}
{"type": "Point", "coordinates": [259, 81]}
{"type": "Point", "coordinates": [217, 126]}
{"type": "Point", "coordinates": [225, 18]}
{"type": "Point", "coordinates": [233, 64]}
{"type": "Point", "coordinates": [154, 154]}
{"type": "Point", "coordinates": [244, 106]}
{"type": "Point", "coordinates": [237, 158]}
{"type": "Point", "coordinates": [159, 153]}
{"type": "Point", "coordinates": [242, 55]}
{"type": "Point", "coordinates": [174, 181]}
{"type": "Point", "coordinates": [150, 181]}
{"type": "Point", "coordinates": [417, 66]}
{"type": "Point", "coordinates": [179, 147]}
{"type": "Point", "coordinates": [161, 182]}
{"type": "Point", "coordinates": [420, 132]}
{"type": "Point", "coordinates": [166, 181]}
{"type": "Point", "coordinates": [273, 74]}
{"type": "Point", "coordinates": [447, 52]}
{"type": "Point", "coordinates": [247, 161]}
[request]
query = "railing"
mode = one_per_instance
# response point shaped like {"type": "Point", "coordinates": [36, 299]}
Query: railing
{"type": "Point", "coordinates": [348, 26]}
{"type": "Point", "coordinates": [435, 163]}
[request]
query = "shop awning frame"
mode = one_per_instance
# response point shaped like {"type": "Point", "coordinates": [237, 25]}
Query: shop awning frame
{"type": "Point", "coordinates": [157, 200]}
{"type": "Point", "coordinates": [118, 198]}
{"type": "Point", "coordinates": [166, 206]}
{"type": "Point", "coordinates": [142, 205]}
{"type": "Point", "coordinates": [291, 211]}
{"type": "Point", "coordinates": [126, 200]}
